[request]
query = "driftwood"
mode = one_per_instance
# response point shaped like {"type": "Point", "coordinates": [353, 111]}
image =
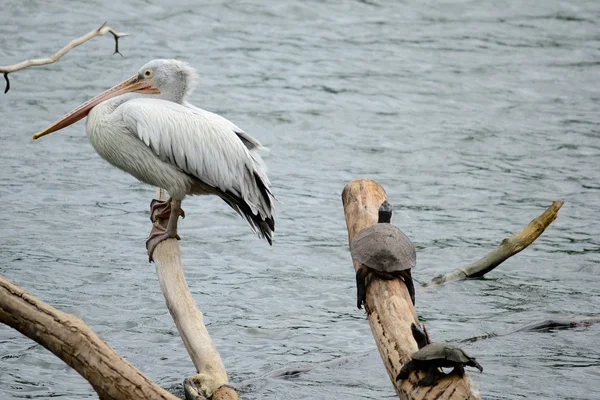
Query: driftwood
{"type": "Point", "coordinates": [390, 309]}
{"type": "Point", "coordinates": [101, 30]}
{"type": "Point", "coordinates": [70, 339]}
{"type": "Point", "coordinates": [507, 248]}
{"type": "Point", "coordinates": [211, 379]}
{"type": "Point", "coordinates": [547, 325]}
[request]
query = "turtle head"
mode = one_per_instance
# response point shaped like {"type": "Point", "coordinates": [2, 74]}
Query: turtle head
{"type": "Point", "coordinates": [475, 364]}
{"type": "Point", "coordinates": [385, 212]}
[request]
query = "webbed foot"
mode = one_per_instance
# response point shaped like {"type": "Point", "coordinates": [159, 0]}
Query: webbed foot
{"type": "Point", "coordinates": [164, 215]}
{"type": "Point", "coordinates": [162, 209]}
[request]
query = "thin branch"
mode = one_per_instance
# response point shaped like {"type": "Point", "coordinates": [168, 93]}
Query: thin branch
{"type": "Point", "coordinates": [507, 248]}
{"type": "Point", "coordinates": [101, 30]}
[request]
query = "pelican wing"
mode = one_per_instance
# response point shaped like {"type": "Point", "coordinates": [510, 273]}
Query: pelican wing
{"type": "Point", "coordinates": [204, 145]}
{"type": "Point", "coordinates": [249, 141]}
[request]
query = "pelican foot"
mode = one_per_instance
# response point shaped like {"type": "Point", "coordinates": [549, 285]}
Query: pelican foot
{"type": "Point", "coordinates": [153, 241]}
{"type": "Point", "coordinates": [162, 210]}
{"type": "Point", "coordinates": [164, 215]}
{"type": "Point", "coordinates": [159, 233]}
{"type": "Point", "coordinates": [159, 209]}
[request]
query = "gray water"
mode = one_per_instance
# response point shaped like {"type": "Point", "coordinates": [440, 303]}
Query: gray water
{"type": "Point", "coordinates": [474, 116]}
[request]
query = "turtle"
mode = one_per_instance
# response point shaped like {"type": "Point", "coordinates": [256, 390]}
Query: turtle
{"type": "Point", "coordinates": [432, 356]}
{"type": "Point", "coordinates": [384, 251]}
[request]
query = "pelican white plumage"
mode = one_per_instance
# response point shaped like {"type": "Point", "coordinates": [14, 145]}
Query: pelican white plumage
{"type": "Point", "coordinates": [145, 127]}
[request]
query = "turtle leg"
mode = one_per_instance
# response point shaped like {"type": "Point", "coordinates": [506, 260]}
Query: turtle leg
{"type": "Point", "coordinates": [361, 293]}
{"type": "Point", "coordinates": [458, 370]}
{"type": "Point", "coordinates": [407, 277]}
{"type": "Point", "coordinates": [430, 378]}
{"type": "Point", "coordinates": [406, 370]}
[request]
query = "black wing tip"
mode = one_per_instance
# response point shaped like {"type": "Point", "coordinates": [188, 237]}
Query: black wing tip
{"type": "Point", "coordinates": [263, 226]}
{"type": "Point", "coordinates": [266, 228]}
{"type": "Point", "coordinates": [270, 223]}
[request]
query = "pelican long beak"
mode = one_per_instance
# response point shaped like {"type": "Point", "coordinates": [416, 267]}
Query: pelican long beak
{"type": "Point", "coordinates": [133, 84]}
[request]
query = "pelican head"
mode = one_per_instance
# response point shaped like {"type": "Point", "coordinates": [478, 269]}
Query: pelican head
{"type": "Point", "coordinates": [171, 80]}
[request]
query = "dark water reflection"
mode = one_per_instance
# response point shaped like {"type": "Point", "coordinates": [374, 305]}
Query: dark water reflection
{"type": "Point", "coordinates": [473, 116]}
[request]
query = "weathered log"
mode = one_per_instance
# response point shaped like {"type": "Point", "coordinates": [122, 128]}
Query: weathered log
{"type": "Point", "coordinates": [211, 379]}
{"type": "Point", "coordinates": [507, 248]}
{"type": "Point", "coordinates": [390, 309]}
{"type": "Point", "coordinates": [70, 339]}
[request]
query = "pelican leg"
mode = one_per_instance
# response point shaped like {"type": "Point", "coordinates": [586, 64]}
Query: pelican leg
{"type": "Point", "coordinates": [164, 225]}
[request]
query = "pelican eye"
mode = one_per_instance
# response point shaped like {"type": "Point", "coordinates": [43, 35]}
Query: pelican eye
{"type": "Point", "coordinates": [148, 74]}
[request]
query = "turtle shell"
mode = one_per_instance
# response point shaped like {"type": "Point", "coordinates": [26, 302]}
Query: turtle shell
{"type": "Point", "coordinates": [442, 351]}
{"type": "Point", "coordinates": [383, 247]}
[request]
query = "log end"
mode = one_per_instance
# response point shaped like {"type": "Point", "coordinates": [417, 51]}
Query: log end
{"type": "Point", "coordinates": [361, 199]}
{"type": "Point", "coordinates": [204, 386]}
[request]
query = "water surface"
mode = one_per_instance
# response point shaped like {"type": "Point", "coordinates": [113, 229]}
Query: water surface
{"type": "Point", "coordinates": [473, 116]}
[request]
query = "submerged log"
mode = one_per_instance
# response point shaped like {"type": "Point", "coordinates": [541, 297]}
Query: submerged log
{"type": "Point", "coordinates": [507, 248]}
{"type": "Point", "coordinates": [211, 380]}
{"type": "Point", "coordinates": [547, 325]}
{"type": "Point", "coordinates": [70, 339]}
{"type": "Point", "coordinates": [390, 309]}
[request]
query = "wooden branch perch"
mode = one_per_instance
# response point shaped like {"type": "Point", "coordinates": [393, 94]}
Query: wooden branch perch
{"type": "Point", "coordinates": [102, 30]}
{"type": "Point", "coordinates": [390, 309]}
{"type": "Point", "coordinates": [507, 248]}
{"type": "Point", "coordinates": [70, 339]}
{"type": "Point", "coordinates": [212, 378]}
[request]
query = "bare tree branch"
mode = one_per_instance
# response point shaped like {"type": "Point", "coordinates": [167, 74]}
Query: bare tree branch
{"type": "Point", "coordinates": [507, 248]}
{"type": "Point", "coordinates": [102, 30]}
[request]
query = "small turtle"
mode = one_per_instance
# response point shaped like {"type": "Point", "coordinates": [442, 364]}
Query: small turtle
{"type": "Point", "coordinates": [432, 356]}
{"type": "Point", "coordinates": [385, 251]}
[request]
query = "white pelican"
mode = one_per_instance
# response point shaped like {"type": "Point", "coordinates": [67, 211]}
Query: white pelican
{"type": "Point", "coordinates": [145, 127]}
